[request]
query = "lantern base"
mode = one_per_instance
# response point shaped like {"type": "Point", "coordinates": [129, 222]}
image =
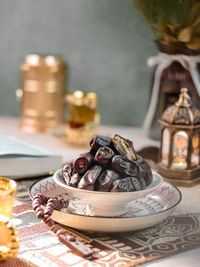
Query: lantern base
{"type": "Point", "coordinates": [180, 177]}
{"type": "Point", "coordinates": [181, 182]}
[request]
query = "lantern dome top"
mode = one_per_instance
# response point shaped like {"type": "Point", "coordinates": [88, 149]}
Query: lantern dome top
{"type": "Point", "coordinates": [182, 112]}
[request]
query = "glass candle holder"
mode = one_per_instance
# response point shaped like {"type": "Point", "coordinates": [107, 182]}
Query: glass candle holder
{"type": "Point", "coordinates": [83, 117]}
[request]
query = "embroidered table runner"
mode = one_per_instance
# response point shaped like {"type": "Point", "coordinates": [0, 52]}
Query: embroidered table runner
{"type": "Point", "coordinates": [39, 247]}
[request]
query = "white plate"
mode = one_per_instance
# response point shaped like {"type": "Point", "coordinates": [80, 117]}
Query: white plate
{"type": "Point", "coordinates": [142, 213]}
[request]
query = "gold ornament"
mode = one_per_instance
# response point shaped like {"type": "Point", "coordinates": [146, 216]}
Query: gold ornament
{"type": "Point", "coordinates": [9, 239]}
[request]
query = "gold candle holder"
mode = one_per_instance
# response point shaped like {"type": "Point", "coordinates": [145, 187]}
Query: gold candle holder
{"type": "Point", "coordinates": [83, 117]}
{"type": "Point", "coordinates": [9, 240]}
{"type": "Point", "coordinates": [42, 94]}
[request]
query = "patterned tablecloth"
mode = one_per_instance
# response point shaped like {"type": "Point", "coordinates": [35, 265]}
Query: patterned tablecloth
{"type": "Point", "coordinates": [39, 247]}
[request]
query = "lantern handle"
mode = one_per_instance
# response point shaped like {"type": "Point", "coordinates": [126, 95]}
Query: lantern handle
{"type": "Point", "coordinates": [184, 99]}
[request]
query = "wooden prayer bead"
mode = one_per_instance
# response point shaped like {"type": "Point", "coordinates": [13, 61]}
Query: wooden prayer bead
{"type": "Point", "coordinates": [64, 237]}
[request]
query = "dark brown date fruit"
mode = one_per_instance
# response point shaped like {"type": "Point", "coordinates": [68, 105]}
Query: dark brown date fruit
{"type": "Point", "coordinates": [148, 176]}
{"type": "Point", "coordinates": [123, 185]}
{"type": "Point", "coordinates": [98, 141]}
{"type": "Point", "coordinates": [127, 184]}
{"type": "Point", "coordinates": [124, 166]}
{"type": "Point", "coordinates": [104, 156]}
{"type": "Point", "coordinates": [104, 182]}
{"type": "Point", "coordinates": [143, 183]}
{"type": "Point", "coordinates": [88, 180]}
{"type": "Point", "coordinates": [67, 172]}
{"type": "Point", "coordinates": [136, 183]}
{"type": "Point", "coordinates": [75, 178]}
{"type": "Point", "coordinates": [124, 147]}
{"type": "Point", "coordinates": [83, 162]}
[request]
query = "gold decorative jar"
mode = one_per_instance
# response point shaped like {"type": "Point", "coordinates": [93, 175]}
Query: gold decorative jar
{"type": "Point", "coordinates": [42, 94]}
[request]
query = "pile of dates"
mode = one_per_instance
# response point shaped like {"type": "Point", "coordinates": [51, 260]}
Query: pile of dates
{"type": "Point", "coordinates": [111, 165]}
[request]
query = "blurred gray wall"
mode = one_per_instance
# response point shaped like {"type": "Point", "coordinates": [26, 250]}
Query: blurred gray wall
{"type": "Point", "coordinates": [105, 43]}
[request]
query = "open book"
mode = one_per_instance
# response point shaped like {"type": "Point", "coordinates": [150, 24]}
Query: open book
{"type": "Point", "coordinates": [20, 160]}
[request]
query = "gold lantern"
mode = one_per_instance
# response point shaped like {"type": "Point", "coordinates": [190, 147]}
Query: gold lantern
{"type": "Point", "coordinates": [43, 92]}
{"type": "Point", "coordinates": [180, 142]}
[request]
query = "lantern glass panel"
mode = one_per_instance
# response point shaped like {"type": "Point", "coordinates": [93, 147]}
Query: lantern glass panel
{"type": "Point", "coordinates": [195, 157]}
{"type": "Point", "coordinates": [180, 150]}
{"type": "Point", "coordinates": [165, 146]}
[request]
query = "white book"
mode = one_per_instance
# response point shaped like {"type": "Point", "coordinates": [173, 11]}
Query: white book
{"type": "Point", "coordinates": [20, 160]}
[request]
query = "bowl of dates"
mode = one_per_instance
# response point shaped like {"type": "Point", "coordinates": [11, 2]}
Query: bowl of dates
{"type": "Point", "coordinates": [109, 176]}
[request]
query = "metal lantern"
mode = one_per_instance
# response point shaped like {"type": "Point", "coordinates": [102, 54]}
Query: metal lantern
{"type": "Point", "coordinates": [43, 92]}
{"type": "Point", "coordinates": [180, 142]}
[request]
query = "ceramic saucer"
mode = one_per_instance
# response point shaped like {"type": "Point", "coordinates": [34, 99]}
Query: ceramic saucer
{"type": "Point", "coordinates": [142, 212]}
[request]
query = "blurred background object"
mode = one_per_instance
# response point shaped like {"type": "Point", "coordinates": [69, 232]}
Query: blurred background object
{"type": "Point", "coordinates": [176, 26]}
{"type": "Point", "coordinates": [105, 43]}
{"type": "Point", "coordinates": [42, 94]}
{"type": "Point", "coordinates": [83, 117]}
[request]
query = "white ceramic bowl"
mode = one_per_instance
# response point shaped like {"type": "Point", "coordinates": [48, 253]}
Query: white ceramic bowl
{"type": "Point", "coordinates": [107, 204]}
